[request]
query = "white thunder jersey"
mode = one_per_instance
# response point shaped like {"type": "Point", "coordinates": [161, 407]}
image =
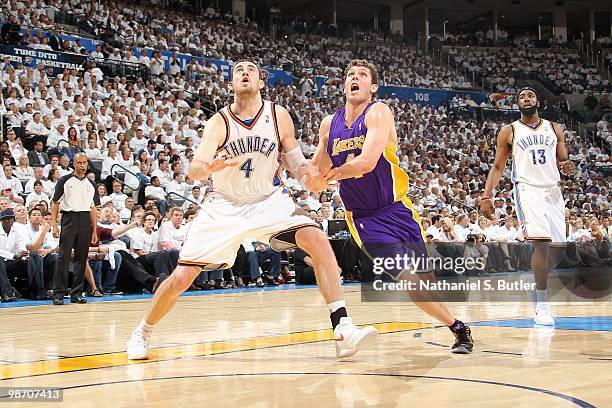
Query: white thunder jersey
{"type": "Point", "coordinates": [539, 203]}
{"type": "Point", "coordinates": [534, 152]}
{"type": "Point", "coordinates": [256, 147]}
{"type": "Point", "coordinates": [249, 200]}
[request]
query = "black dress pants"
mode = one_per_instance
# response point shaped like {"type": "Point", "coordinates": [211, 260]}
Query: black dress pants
{"type": "Point", "coordinates": [75, 234]}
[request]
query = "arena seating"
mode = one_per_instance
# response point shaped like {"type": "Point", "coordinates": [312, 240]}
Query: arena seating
{"type": "Point", "coordinates": [447, 150]}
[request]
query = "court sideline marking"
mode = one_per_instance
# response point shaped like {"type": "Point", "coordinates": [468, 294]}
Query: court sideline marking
{"type": "Point", "coordinates": [568, 398]}
{"type": "Point", "coordinates": [115, 359]}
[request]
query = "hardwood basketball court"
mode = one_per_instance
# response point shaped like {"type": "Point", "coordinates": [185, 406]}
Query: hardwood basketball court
{"type": "Point", "coordinates": [273, 348]}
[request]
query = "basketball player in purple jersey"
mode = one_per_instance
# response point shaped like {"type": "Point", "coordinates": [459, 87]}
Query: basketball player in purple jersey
{"type": "Point", "coordinates": [357, 147]}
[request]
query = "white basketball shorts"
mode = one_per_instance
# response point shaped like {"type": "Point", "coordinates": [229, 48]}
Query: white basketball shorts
{"type": "Point", "coordinates": [214, 236]}
{"type": "Point", "coordinates": [541, 212]}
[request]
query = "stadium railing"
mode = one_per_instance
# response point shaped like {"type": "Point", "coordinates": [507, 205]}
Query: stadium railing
{"type": "Point", "coordinates": [120, 173]}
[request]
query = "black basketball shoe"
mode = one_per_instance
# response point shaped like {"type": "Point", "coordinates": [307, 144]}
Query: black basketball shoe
{"type": "Point", "coordinates": [464, 342]}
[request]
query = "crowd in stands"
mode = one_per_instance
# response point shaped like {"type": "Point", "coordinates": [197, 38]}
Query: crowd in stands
{"type": "Point", "coordinates": [228, 37]}
{"type": "Point", "coordinates": [562, 71]}
{"type": "Point", "coordinates": [480, 38]}
{"type": "Point", "coordinates": [151, 128]}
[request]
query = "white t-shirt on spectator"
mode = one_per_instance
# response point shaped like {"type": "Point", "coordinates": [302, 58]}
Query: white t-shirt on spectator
{"type": "Point", "coordinates": [36, 197]}
{"type": "Point", "coordinates": [137, 144]}
{"type": "Point", "coordinates": [461, 233]}
{"type": "Point", "coordinates": [175, 187]}
{"type": "Point", "coordinates": [118, 199]}
{"type": "Point", "coordinates": [165, 177]}
{"type": "Point", "coordinates": [36, 128]}
{"type": "Point", "coordinates": [435, 233]}
{"type": "Point", "coordinates": [143, 241]}
{"type": "Point", "coordinates": [157, 192]}
{"type": "Point", "coordinates": [94, 153]}
{"type": "Point", "coordinates": [495, 233]}
{"type": "Point", "coordinates": [168, 233]}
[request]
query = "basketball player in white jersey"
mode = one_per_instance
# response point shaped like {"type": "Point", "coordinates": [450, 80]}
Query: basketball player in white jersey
{"type": "Point", "coordinates": [538, 153]}
{"type": "Point", "coordinates": [242, 148]}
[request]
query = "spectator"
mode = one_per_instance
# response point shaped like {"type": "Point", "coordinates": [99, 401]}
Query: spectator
{"type": "Point", "coordinates": [37, 176]}
{"type": "Point", "coordinates": [13, 254]}
{"type": "Point", "coordinates": [12, 182]}
{"type": "Point", "coordinates": [117, 195]}
{"type": "Point", "coordinates": [23, 170]}
{"type": "Point", "coordinates": [156, 192]}
{"type": "Point", "coordinates": [7, 191]}
{"type": "Point", "coordinates": [51, 182]}
{"type": "Point", "coordinates": [171, 233]}
{"type": "Point", "coordinates": [195, 196]}
{"type": "Point", "coordinates": [42, 248]}
{"type": "Point", "coordinates": [159, 263]}
{"type": "Point", "coordinates": [257, 254]}
{"type": "Point", "coordinates": [477, 251]}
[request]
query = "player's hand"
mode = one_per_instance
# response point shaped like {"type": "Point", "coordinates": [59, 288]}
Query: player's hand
{"type": "Point", "coordinates": [55, 231]}
{"type": "Point", "coordinates": [486, 207]}
{"type": "Point", "coordinates": [94, 236]}
{"type": "Point", "coordinates": [333, 176]}
{"type": "Point", "coordinates": [218, 165]}
{"type": "Point", "coordinates": [567, 167]}
{"type": "Point", "coordinates": [312, 179]}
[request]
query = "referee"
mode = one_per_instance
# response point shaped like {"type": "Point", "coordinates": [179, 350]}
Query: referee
{"type": "Point", "coordinates": [77, 197]}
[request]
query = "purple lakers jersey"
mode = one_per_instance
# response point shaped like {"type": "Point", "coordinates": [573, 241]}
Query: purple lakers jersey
{"type": "Point", "coordinates": [381, 187]}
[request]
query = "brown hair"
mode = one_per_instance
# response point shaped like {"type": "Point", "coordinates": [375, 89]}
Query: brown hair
{"type": "Point", "coordinates": [262, 73]}
{"type": "Point", "coordinates": [149, 214]}
{"type": "Point", "coordinates": [365, 64]}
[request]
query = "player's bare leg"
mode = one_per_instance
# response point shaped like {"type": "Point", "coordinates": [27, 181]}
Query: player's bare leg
{"type": "Point", "coordinates": [315, 243]}
{"type": "Point", "coordinates": [348, 337]}
{"type": "Point", "coordinates": [163, 300]}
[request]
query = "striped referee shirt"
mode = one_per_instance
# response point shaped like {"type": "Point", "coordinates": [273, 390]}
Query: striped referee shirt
{"type": "Point", "coordinates": [75, 194]}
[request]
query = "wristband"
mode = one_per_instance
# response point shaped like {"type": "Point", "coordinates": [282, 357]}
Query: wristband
{"type": "Point", "coordinates": [485, 198]}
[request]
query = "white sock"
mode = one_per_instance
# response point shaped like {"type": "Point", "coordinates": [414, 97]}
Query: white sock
{"type": "Point", "coordinates": [333, 306]}
{"type": "Point", "coordinates": [542, 295]}
{"type": "Point", "coordinates": [144, 327]}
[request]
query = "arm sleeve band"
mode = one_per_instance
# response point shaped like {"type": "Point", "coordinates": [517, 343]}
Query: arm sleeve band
{"type": "Point", "coordinates": [295, 159]}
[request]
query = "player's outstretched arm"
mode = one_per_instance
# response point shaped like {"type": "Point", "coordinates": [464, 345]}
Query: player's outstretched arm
{"type": "Point", "coordinates": [204, 162]}
{"type": "Point", "coordinates": [379, 121]}
{"type": "Point", "coordinates": [502, 153]}
{"type": "Point", "coordinates": [566, 166]}
{"type": "Point", "coordinates": [321, 159]}
{"type": "Point", "coordinates": [293, 158]}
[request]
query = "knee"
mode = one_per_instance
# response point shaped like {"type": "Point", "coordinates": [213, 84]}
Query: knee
{"type": "Point", "coordinates": [33, 255]}
{"type": "Point", "coordinates": [315, 243]}
{"type": "Point", "coordinates": [182, 278]}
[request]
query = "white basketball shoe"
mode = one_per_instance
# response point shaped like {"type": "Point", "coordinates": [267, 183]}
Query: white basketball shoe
{"type": "Point", "coordinates": [543, 315]}
{"type": "Point", "coordinates": [350, 338]}
{"type": "Point", "coordinates": [138, 346]}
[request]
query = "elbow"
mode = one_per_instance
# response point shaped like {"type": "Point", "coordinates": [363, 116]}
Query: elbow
{"type": "Point", "coordinates": [192, 172]}
{"type": "Point", "coordinates": [367, 166]}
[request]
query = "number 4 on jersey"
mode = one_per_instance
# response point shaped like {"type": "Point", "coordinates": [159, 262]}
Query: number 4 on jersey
{"type": "Point", "coordinates": [247, 167]}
